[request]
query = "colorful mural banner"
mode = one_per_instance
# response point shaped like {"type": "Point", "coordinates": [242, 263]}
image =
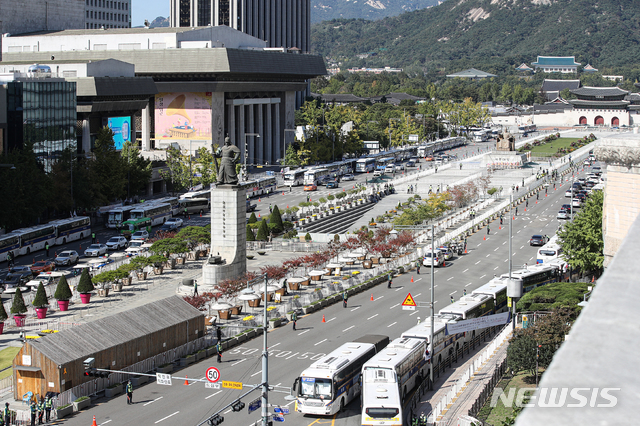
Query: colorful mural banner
{"type": "Point", "coordinates": [183, 115]}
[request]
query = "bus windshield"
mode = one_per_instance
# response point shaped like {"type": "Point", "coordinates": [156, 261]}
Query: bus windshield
{"type": "Point", "coordinates": [315, 388]}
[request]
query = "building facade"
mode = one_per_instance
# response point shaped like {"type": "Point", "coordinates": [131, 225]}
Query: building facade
{"type": "Point", "coordinates": [281, 23]}
{"type": "Point", "coordinates": [601, 106]}
{"type": "Point", "coordinates": [561, 64]}
{"type": "Point", "coordinates": [107, 14]}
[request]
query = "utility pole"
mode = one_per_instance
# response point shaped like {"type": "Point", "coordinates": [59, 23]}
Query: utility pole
{"type": "Point", "coordinates": [433, 312]}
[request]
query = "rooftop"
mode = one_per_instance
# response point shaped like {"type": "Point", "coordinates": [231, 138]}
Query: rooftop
{"type": "Point", "coordinates": [556, 61]}
{"type": "Point", "coordinates": [599, 91]}
{"type": "Point", "coordinates": [471, 73]}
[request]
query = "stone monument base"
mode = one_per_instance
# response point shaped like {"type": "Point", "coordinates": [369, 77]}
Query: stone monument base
{"type": "Point", "coordinates": [212, 274]}
{"type": "Point", "coordinates": [497, 160]}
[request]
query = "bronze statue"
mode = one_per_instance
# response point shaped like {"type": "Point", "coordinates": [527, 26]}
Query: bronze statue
{"type": "Point", "coordinates": [506, 142]}
{"type": "Point", "coordinates": [229, 155]}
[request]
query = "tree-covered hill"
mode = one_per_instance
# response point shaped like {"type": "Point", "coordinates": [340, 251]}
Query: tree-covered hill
{"type": "Point", "coordinates": [493, 35]}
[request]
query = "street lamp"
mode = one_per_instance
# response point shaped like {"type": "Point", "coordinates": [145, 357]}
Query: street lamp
{"type": "Point", "coordinates": [246, 152]}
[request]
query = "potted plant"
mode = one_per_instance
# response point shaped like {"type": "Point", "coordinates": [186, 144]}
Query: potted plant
{"type": "Point", "coordinates": [3, 317]}
{"type": "Point", "coordinates": [157, 261]}
{"type": "Point", "coordinates": [18, 309]}
{"type": "Point", "coordinates": [139, 263]}
{"type": "Point", "coordinates": [127, 269]}
{"type": "Point", "coordinates": [40, 302]}
{"type": "Point", "coordinates": [85, 286]}
{"type": "Point", "coordinates": [63, 294]}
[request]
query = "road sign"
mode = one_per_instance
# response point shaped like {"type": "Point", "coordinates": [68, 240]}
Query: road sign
{"type": "Point", "coordinates": [163, 379]}
{"type": "Point", "coordinates": [254, 405]}
{"type": "Point", "coordinates": [413, 138]}
{"type": "Point", "coordinates": [213, 374]}
{"type": "Point", "coordinates": [231, 385]}
{"type": "Point", "coordinates": [281, 410]}
{"type": "Point", "coordinates": [409, 304]}
{"type": "Point", "coordinates": [278, 418]}
{"type": "Point", "coordinates": [208, 385]}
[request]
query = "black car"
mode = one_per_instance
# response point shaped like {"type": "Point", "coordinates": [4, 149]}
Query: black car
{"type": "Point", "coordinates": [168, 227]}
{"type": "Point", "coordinates": [18, 274]}
{"type": "Point", "coordinates": [538, 240]}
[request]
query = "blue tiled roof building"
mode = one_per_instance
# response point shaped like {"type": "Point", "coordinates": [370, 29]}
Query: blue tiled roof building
{"type": "Point", "coordinates": [562, 64]}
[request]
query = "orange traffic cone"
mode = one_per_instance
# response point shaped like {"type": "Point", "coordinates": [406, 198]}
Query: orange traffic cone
{"type": "Point", "coordinates": [484, 238]}
{"type": "Point", "coordinates": [372, 297]}
{"type": "Point", "coordinates": [323, 320]}
{"type": "Point", "coordinates": [81, 246]}
{"type": "Point", "coordinates": [444, 263]}
{"type": "Point", "coordinates": [525, 209]}
{"type": "Point", "coordinates": [500, 228]}
{"type": "Point", "coordinates": [259, 199]}
{"type": "Point", "coordinates": [200, 214]}
{"type": "Point", "coordinates": [411, 278]}
{"type": "Point", "coordinates": [186, 380]}
{"type": "Point", "coordinates": [94, 421]}
{"type": "Point", "coordinates": [282, 192]}
{"type": "Point", "coordinates": [287, 205]}
{"type": "Point", "coordinates": [258, 214]}
{"type": "Point", "coordinates": [465, 251]}
{"type": "Point", "coordinates": [514, 218]}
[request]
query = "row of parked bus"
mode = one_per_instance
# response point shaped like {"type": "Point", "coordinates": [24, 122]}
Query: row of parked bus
{"type": "Point", "coordinates": [383, 373]}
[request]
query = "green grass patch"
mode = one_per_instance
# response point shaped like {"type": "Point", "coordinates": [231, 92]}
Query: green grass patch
{"type": "Point", "coordinates": [498, 414]}
{"type": "Point", "coordinates": [6, 360]}
{"type": "Point", "coordinates": [554, 295]}
{"type": "Point", "coordinates": [550, 148]}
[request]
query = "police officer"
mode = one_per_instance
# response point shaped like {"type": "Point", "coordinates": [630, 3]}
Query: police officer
{"type": "Point", "coordinates": [93, 238]}
{"type": "Point", "coordinates": [48, 404]}
{"type": "Point", "coordinates": [34, 411]}
{"type": "Point", "coordinates": [40, 411]}
{"type": "Point", "coordinates": [390, 282]}
{"type": "Point", "coordinates": [294, 318]}
{"type": "Point", "coordinates": [452, 299]}
{"type": "Point", "coordinates": [219, 349]}
{"type": "Point", "coordinates": [418, 266]}
{"type": "Point", "coordinates": [6, 413]}
{"type": "Point", "coordinates": [129, 392]}
{"type": "Point", "coordinates": [46, 248]}
{"type": "Point", "coordinates": [345, 298]}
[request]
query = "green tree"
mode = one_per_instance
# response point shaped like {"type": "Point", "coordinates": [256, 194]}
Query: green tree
{"type": "Point", "coordinates": [85, 285]}
{"type": "Point", "coordinates": [108, 169]}
{"type": "Point", "coordinates": [291, 156]}
{"type": "Point", "coordinates": [250, 235]}
{"type": "Point", "coordinates": [138, 169]}
{"type": "Point", "coordinates": [178, 174]}
{"type": "Point", "coordinates": [18, 307]}
{"type": "Point", "coordinates": [195, 235]}
{"type": "Point", "coordinates": [252, 218]}
{"type": "Point", "coordinates": [40, 300]}
{"type": "Point", "coordinates": [176, 245]}
{"type": "Point", "coordinates": [521, 353]}
{"type": "Point", "coordinates": [263, 231]}
{"type": "Point", "coordinates": [3, 313]}
{"type": "Point", "coordinates": [204, 167]}
{"type": "Point", "coordinates": [581, 239]}
{"type": "Point", "coordinates": [63, 292]}
{"type": "Point", "coordinates": [276, 220]}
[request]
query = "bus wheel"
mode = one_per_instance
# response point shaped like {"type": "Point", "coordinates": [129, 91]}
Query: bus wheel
{"type": "Point", "coordinates": [28, 250]}
{"type": "Point", "coordinates": [81, 235]}
{"type": "Point", "coordinates": [64, 241]}
{"type": "Point", "coordinates": [341, 404]}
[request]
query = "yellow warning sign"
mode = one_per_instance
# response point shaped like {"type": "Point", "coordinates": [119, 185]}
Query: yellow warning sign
{"type": "Point", "coordinates": [231, 385]}
{"type": "Point", "coordinates": [409, 304]}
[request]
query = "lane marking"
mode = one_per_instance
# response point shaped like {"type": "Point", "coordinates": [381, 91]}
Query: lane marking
{"type": "Point", "coordinates": [273, 346]}
{"type": "Point", "coordinates": [392, 324]}
{"type": "Point", "coordinates": [214, 394]}
{"type": "Point", "coordinates": [201, 378]}
{"type": "Point", "coordinates": [105, 422]}
{"type": "Point", "coordinates": [372, 317]}
{"type": "Point", "coordinates": [478, 261]}
{"type": "Point", "coordinates": [355, 309]}
{"type": "Point", "coordinates": [321, 341]}
{"type": "Point", "coordinates": [397, 304]}
{"type": "Point", "coordinates": [451, 294]}
{"type": "Point", "coordinates": [306, 331]}
{"type": "Point", "coordinates": [378, 298]}
{"type": "Point", "coordinates": [495, 268]}
{"type": "Point", "coordinates": [242, 360]}
{"type": "Point", "coordinates": [495, 249]}
{"type": "Point", "coordinates": [468, 285]}
{"type": "Point", "coordinates": [465, 270]}
{"type": "Point", "coordinates": [346, 329]}
{"type": "Point", "coordinates": [331, 319]}
{"type": "Point", "coordinates": [413, 313]}
{"type": "Point", "coordinates": [151, 402]}
{"type": "Point", "coordinates": [506, 260]}
{"type": "Point", "coordinates": [483, 276]}
{"type": "Point", "coordinates": [418, 294]}
{"type": "Point", "coordinates": [521, 247]}
{"type": "Point", "coordinates": [171, 415]}
{"type": "Point", "coordinates": [256, 373]}
{"type": "Point", "coordinates": [449, 279]}
{"type": "Point", "coordinates": [487, 255]}
{"type": "Point", "coordinates": [504, 243]}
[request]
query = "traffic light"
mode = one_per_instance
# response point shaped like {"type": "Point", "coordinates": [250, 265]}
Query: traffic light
{"type": "Point", "coordinates": [91, 372]}
{"type": "Point", "coordinates": [103, 374]}
{"type": "Point", "coordinates": [237, 406]}
{"type": "Point", "coordinates": [216, 420]}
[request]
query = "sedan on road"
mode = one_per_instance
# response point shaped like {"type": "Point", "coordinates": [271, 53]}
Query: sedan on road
{"type": "Point", "coordinates": [67, 257]}
{"type": "Point", "coordinates": [576, 202]}
{"type": "Point", "coordinates": [332, 184]}
{"type": "Point", "coordinates": [140, 235]}
{"type": "Point", "coordinates": [168, 227]}
{"type": "Point", "coordinates": [178, 222]}
{"type": "Point", "coordinates": [310, 187]}
{"type": "Point", "coordinates": [563, 214]}
{"type": "Point", "coordinates": [538, 240]}
{"type": "Point", "coordinates": [42, 266]}
{"type": "Point", "coordinates": [95, 250]}
{"type": "Point", "coordinates": [116, 243]}
{"type": "Point", "coordinates": [348, 176]}
{"type": "Point", "coordinates": [568, 194]}
{"type": "Point", "coordinates": [18, 274]}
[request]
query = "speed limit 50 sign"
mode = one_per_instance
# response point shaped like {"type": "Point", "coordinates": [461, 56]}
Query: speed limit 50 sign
{"type": "Point", "coordinates": [213, 374]}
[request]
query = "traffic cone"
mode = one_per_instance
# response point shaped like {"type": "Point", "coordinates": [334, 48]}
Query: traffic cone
{"type": "Point", "coordinates": [465, 251]}
{"type": "Point", "coordinates": [525, 209]}
{"type": "Point", "coordinates": [201, 214]}
{"type": "Point", "coordinates": [287, 205]}
{"type": "Point", "coordinates": [372, 297]}
{"type": "Point", "coordinates": [323, 320]}
{"type": "Point", "coordinates": [80, 246]}
{"type": "Point", "coordinates": [258, 215]}
{"type": "Point", "coordinates": [259, 199]}
{"type": "Point", "coordinates": [514, 218]}
{"type": "Point", "coordinates": [186, 380]}
{"type": "Point", "coordinates": [94, 421]}
{"type": "Point", "coordinates": [411, 278]}
{"type": "Point", "coordinates": [484, 238]}
{"type": "Point", "coordinates": [282, 192]}
{"type": "Point", "coordinates": [499, 227]}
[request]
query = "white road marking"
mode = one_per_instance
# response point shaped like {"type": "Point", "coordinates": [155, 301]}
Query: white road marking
{"type": "Point", "coordinates": [321, 341]}
{"type": "Point", "coordinates": [151, 402]}
{"type": "Point", "coordinates": [236, 363]}
{"type": "Point", "coordinates": [201, 378]}
{"type": "Point", "coordinates": [346, 329]}
{"type": "Point", "coordinates": [306, 331]}
{"type": "Point", "coordinates": [495, 268]}
{"type": "Point", "coordinates": [451, 294]}
{"type": "Point", "coordinates": [171, 415]}
{"type": "Point", "coordinates": [518, 231]}
{"type": "Point", "coordinates": [273, 346]}
{"type": "Point", "coordinates": [254, 374]}
{"type": "Point", "coordinates": [416, 280]}
{"type": "Point", "coordinates": [449, 279]}
{"type": "Point", "coordinates": [331, 319]}
{"type": "Point", "coordinates": [468, 285]}
{"type": "Point", "coordinates": [372, 317]}
{"type": "Point", "coordinates": [418, 294]}
{"type": "Point", "coordinates": [105, 422]}
{"type": "Point", "coordinates": [483, 276]}
{"type": "Point", "coordinates": [521, 247]}
{"type": "Point", "coordinates": [355, 309]}
{"type": "Point", "coordinates": [392, 324]}
{"type": "Point", "coordinates": [465, 270]}
{"type": "Point", "coordinates": [506, 260]}
{"type": "Point", "coordinates": [478, 261]}
{"type": "Point", "coordinates": [397, 304]}
{"type": "Point", "coordinates": [214, 394]}
{"type": "Point", "coordinates": [414, 312]}
{"type": "Point", "coordinates": [495, 249]}
{"type": "Point", "coordinates": [479, 245]}
{"type": "Point", "coordinates": [504, 243]}
{"type": "Point", "coordinates": [378, 298]}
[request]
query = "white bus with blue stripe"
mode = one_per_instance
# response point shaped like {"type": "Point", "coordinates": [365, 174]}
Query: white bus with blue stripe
{"type": "Point", "coordinates": [388, 377]}
{"type": "Point", "coordinates": [497, 289]}
{"type": "Point", "coordinates": [330, 383]}
{"type": "Point", "coordinates": [158, 213]}
{"type": "Point", "coordinates": [72, 229]}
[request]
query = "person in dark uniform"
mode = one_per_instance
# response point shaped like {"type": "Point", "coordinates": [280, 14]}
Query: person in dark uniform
{"type": "Point", "coordinates": [219, 350]}
{"type": "Point", "coordinates": [294, 319]}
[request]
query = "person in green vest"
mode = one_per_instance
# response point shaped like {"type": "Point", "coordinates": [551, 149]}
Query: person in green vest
{"type": "Point", "coordinates": [48, 404]}
{"type": "Point", "coordinates": [6, 413]}
{"type": "Point", "coordinates": [34, 410]}
{"type": "Point", "coordinates": [46, 248]}
{"type": "Point", "coordinates": [93, 238]}
{"type": "Point", "coordinates": [345, 297]}
{"type": "Point", "coordinates": [195, 287]}
{"type": "Point", "coordinates": [40, 410]}
{"type": "Point", "coordinates": [294, 318]}
{"type": "Point", "coordinates": [219, 350]}
{"type": "Point", "coordinates": [129, 392]}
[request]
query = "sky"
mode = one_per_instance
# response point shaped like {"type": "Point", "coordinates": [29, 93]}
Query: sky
{"type": "Point", "coordinates": [148, 9]}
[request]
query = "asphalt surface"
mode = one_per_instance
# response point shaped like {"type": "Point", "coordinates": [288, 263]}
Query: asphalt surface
{"type": "Point", "coordinates": [290, 351]}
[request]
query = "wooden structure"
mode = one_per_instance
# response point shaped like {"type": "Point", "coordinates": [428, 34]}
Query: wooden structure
{"type": "Point", "coordinates": [54, 363]}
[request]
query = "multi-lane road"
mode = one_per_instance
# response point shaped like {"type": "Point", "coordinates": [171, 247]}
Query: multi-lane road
{"type": "Point", "coordinates": [292, 351]}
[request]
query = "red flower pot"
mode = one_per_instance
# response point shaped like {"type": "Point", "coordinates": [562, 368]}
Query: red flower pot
{"type": "Point", "coordinates": [1, 327]}
{"type": "Point", "coordinates": [85, 298]}
{"type": "Point", "coordinates": [41, 312]}
{"type": "Point", "coordinates": [63, 305]}
{"type": "Point", "coordinates": [19, 319]}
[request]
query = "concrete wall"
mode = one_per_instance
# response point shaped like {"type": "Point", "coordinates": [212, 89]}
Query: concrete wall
{"type": "Point", "coordinates": [19, 17]}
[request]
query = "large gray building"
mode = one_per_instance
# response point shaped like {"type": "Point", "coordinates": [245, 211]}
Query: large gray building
{"type": "Point", "coordinates": [281, 23]}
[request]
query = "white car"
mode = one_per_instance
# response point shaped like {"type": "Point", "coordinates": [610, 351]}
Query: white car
{"type": "Point", "coordinates": [389, 169]}
{"type": "Point", "coordinates": [576, 202]}
{"type": "Point", "coordinates": [348, 176]}
{"type": "Point", "coordinates": [377, 173]}
{"type": "Point", "coordinates": [438, 258]}
{"type": "Point", "coordinates": [95, 250]}
{"type": "Point", "coordinates": [116, 243]}
{"type": "Point", "coordinates": [568, 194]}
{"type": "Point", "coordinates": [67, 257]}
{"type": "Point", "coordinates": [136, 247]}
{"type": "Point", "coordinates": [176, 220]}
{"type": "Point", "coordinates": [45, 278]}
{"type": "Point", "coordinates": [399, 167]}
{"type": "Point", "coordinates": [140, 235]}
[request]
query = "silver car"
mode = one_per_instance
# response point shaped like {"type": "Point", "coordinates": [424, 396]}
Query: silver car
{"type": "Point", "coordinates": [116, 243]}
{"type": "Point", "coordinates": [95, 250]}
{"type": "Point", "coordinates": [67, 257]}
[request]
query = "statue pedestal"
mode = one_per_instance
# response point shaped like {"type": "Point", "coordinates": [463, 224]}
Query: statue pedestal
{"type": "Point", "coordinates": [497, 160]}
{"type": "Point", "coordinates": [228, 234]}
